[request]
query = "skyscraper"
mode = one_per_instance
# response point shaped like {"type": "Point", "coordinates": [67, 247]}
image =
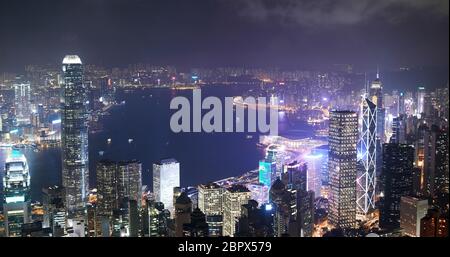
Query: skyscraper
{"type": "Point", "coordinates": [74, 129]}
{"type": "Point", "coordinates": [398, 130]}
{"type": "Point", "coordinates": [234, 198]}
{"type": "Point", "coordinates": [22, 102]}
{"type": "Point", "coordinates": [267, 172]}
{"type": "Point", "coordinates": [295, 176]}
{"type": "Point", "coordinates": [412, 210]}
{"type": "Point", "coordinates": [420, 104]}
{"type": "Point", "coordinates": [285, 201]}
{"type": "Point", "coordinates": [166, 176]}
{"type": "Point", "coordinates": [117, 184]}
{"type": "Point", "coordinates": [16, 187]}
{"type": "Point", "coordinates": [54, 210]}
{"type": "Point", "coordinates": [397, 182]}
{"type": "Point", "coordinates": [376, 97]}
{"type": "Point", "coordinates": [343, 136]}
{"type": "Point", "coordinates": [366, 180]}
{"type": "Point", "coordinates": [210, 199]}
{"type": "Point", "coordinates": [183, 210]}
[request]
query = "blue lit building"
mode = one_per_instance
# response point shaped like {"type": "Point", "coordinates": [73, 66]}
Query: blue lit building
{"type": "Point", "coordinates": [267, 172]}
{"type": "Point", "coordinates": [16, 196]}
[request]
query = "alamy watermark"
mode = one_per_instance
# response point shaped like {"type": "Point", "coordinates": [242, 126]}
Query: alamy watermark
{"type": "Point", "coordinates": [212, 121]}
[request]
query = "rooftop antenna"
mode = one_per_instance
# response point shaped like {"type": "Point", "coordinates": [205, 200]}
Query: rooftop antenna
{"type": "Point", "coordinates": [378, 72]}
{"type": "Point", "coordinates": [366, 84]}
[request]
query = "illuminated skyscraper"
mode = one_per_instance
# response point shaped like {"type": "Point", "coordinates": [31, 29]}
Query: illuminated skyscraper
{"type": "Point", "coordinates": [118, 183]}
{"type": "Point", "coordinates": [376, 97]}
{"type": "Point", "coordinates": [234, 198]}
{"type": "Point", "coordinates": [210, 202]}
{"type": "Point", "coordinates": [420, 105]}
{"type": "Point", "coordinates": [54, 211]}
{"type": "Point", "coordinates": [210, 199]}
{"type": "Point", "coordinates": [157, 219]}
{"type": "Point", "coordinates": [343, 136]}
{"type": "Point", "coordinates": [314, 167]}
{"type": "Point", "coordinates": [22, 102]}
{"type": "Point", "coordinates": [366, 180]}
{"type": "Point", "coordinates": [267, 172]}
{"type": "Point", "coordinates": [397, 182]}
{"type": "Point", "coordinates": [295, 176]}
{"type": "Point", "coordinates": [166, 176]}
{"type": "Point", "coordinates": [412, 210]}
{"type": "Point", "coordinates": [16, 194]}
{"type": "Point", "coordinates": [74, 128]}
{"type": "Point", "coordinates": [398, 130]}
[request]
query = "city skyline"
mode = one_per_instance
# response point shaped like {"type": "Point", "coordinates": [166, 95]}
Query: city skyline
{"type": "Point", "coordinates": [97, 140]}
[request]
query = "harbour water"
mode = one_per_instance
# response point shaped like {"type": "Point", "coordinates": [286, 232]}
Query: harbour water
{"type": "Point", "coordinates": [140, 129]}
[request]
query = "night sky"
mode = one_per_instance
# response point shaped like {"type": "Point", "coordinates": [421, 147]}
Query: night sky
{"type": "Point", "coordinates": [207, 33]}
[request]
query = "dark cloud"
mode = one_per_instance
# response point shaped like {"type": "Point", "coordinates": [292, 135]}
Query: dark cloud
{"type": "Point", "coordinates": [311, 13]}
{"type": "Point", "coordinates": [293, 33]}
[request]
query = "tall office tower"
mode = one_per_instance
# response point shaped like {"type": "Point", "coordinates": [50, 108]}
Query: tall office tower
{"type": "Point", "coordinates": [22, 102]}
{"type": "Point", "coordinates": [314, 164]}
{"type": "Point", "coordinates": [210, 199]}
{"type": "Point", "coordinates": [16, 194]}
{"type": "Point", "coordinates": [342, 139]}
{"type": "Point", "coordinates": [166, 176]}
{"type": "Point", "coordinates": [305, 212]}
{"type": "Point", "coordinates": [157, 219]}
{"type": "Point", "coordinates": [412, 210]}
{"type": "Point", "coordinates": [398, 164]}
{"type": "Point", "coordinates": [234, 198]}
{"type": "Point", "coordinates": [401, 104]}
{"type": "Point", "coordinates": [438, 176]}
{"type": "Point", "coordinates": [117, 183]}
{"type": "Point", "coordinates": [443, 102]}
{"type": "Point", "coordinates": [422, 147]}
{"type": "Point", "coordinates": [420, 104]}
{"type": "Point", "coordinates": [366, 179]}
{"type": "Point", "coordinates": [398, 130]}
{"type": "Point", "coordinates": [54, 211]}
{"type": "Point", "coordinates": [428, 108]}
{"type": "Point", "coordinates": [295, 176]}
{"type": "Point", "coordinates": [106, 188]}
{"type": "Point", "coordinates": [41, 114]}
{"type": "Point", "coordinates": [129, 179]}
{"type": "Point", "coordinates": [74, 135]}
{"type": "Point", "coordinates": [285, 201]}
{"type": "Point", "coordinates": [434, 224]}
{"type": "Point", "coordinates": [133, 218]}
{"type": "Point", "coordinates": [198, 227]}
{"type": "Point", "coordinates": [276, 154]}
{"type": "Point", "coordinates": [183, 210]}
{"type": "Point", "coordinates": [267, 172]}
{"type": "Point", "coordinates": [376, 97]}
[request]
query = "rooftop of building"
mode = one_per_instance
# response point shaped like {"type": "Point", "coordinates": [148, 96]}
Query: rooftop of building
{"type": "Point", "coordinates": [167, 161]}
{"type": "Point", "coordinates": [238, 189]}
{"type": "Point", "coordinates": [72, 59]}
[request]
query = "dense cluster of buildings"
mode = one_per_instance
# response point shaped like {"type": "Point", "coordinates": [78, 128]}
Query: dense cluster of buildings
{"type": "Point", "coordinates": [384, 171]}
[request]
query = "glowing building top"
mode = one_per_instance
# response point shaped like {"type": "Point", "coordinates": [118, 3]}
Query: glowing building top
{"type": "Point", "coordinates": [16, 182]}
{"type": "Point", "coordinates": [71, 59]}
